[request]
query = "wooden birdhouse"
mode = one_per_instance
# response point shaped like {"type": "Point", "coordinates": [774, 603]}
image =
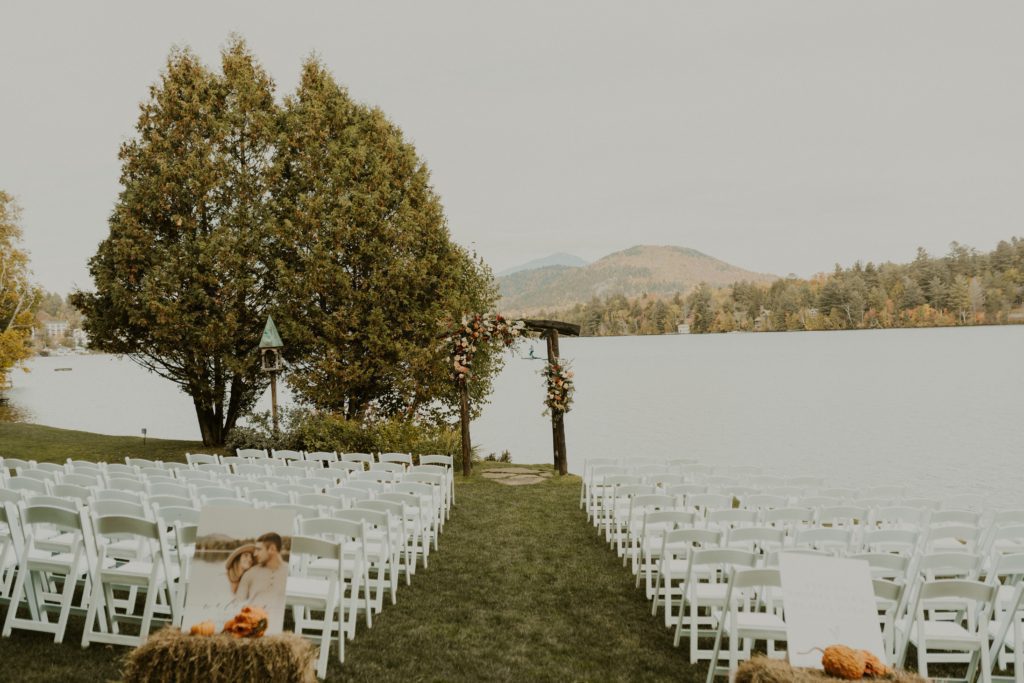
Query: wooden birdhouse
{"type": "Point", "coordinates": [270, 348]}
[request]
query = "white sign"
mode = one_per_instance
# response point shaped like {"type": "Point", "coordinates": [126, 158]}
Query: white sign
{"type": "Point", "coordinates": [828, 601]}
{"type": "Point", "coordinates": [241, 560]}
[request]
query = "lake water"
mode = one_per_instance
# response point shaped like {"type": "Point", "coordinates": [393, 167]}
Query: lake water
{"type": "Point", "coordinates": [938, 409]}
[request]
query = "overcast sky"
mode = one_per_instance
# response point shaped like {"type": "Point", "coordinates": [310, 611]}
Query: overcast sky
{"type": "Point", "coordinates": [780, 136]}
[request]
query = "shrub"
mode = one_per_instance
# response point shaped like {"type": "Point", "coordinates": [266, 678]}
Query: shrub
{"type": "Point", "coordinates": [309, 430]}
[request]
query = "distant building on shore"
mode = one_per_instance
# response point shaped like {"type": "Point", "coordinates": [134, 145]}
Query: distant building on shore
{"type": "Point", "coordinates": [683, 328]}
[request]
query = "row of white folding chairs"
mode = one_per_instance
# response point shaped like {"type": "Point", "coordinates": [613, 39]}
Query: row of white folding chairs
{"type": "Point", "coordinates": [395, 514]}
{"type": "Point", "coordinates": [899, 615]}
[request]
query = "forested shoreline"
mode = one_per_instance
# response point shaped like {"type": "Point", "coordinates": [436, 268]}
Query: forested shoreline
{"type": "Point", "coordinates": [963, 287]}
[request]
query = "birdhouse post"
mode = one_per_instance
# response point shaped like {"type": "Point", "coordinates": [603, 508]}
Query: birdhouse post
{"type": "Point", "coordinates": [271, 362]}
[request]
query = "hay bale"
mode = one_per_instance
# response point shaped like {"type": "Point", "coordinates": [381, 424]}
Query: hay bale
{"type": "Point", "coordinates": [765, 670]}
{"type": "Point", "coordinates": [170, 656]}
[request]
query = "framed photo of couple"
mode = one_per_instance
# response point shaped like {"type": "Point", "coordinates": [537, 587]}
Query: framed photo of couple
{"type": "Point", "coordinates": [241, 559]}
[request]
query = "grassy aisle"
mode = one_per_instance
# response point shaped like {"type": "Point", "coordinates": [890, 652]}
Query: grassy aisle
{"type": "Point", "coordinates": [522, 590]}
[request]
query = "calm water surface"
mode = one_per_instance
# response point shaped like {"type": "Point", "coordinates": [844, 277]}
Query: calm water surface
{"type": "Point", "coordinates": [940, 409]}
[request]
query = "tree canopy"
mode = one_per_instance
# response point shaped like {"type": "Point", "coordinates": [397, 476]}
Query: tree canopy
{"type": "Point", "coordinates": [17, 293]}
{"type": "Point", "coordinates": [315, 210]}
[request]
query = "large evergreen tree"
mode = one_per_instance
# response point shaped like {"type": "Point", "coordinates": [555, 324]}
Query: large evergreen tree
{"type": "Point", "coordinates": [235, 207]}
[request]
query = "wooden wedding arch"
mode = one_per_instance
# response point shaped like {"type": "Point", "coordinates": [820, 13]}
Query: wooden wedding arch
{"type": "Point", "coordinates": [506, 331]}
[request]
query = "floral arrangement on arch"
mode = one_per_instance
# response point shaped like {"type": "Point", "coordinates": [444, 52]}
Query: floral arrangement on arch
{"type": "Point", "coordinates": [466, 337]}
{"type": "Point", "coordinates": [560, 386]}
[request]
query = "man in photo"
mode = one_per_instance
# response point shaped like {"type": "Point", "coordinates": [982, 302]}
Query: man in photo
{"type": "Point", "coordinates": [264, 582]}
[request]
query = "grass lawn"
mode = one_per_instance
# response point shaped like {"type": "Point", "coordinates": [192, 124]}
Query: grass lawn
{"type": "Point", "coordinates": [49, 444]}
{"type": "Point", "coordinates": [522, 589]}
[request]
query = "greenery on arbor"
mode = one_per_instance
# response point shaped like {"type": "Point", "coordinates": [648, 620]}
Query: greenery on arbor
{"type": "Point", "coordinates": [18, 296]}
{"type": "Point", "coordinates": [315, 210]}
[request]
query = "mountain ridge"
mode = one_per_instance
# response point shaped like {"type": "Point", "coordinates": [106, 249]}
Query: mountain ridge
{"type": "Point", "coordinates": [640, 269]}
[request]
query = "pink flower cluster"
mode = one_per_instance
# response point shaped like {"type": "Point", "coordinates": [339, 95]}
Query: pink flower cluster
{"type": "Point", "coordinates": [475, 330]}
{"type": "Point", "coordinates": [560, 387]}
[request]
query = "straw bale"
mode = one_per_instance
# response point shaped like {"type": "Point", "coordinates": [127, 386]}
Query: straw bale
{"type": "Point", "coordinates": [170, 656]}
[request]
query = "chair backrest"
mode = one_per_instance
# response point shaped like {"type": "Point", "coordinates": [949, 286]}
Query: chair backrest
{"type": "Point", "coordinates": [171, 501]}
{"type": "Point", "coordinates": [961, 589]}
{"type": "Point", "coordinates": [119, 508]}
{"type": "Point", "coordinates": [173, 489]}
{"type": "Point", "coordinates": [706, 501]}
{"type": "Point", "coordinates": [825, 538]}
{"type": "Point", "coordinates": [958, 517]}
{"type": "Point", "coordinates": [79, 493]}
{"type": "Point", "coordinates": [387, 466]}
{"type": "Point", "coordinates": [227, 503]}
{"type": "Point", "coordinates": [320, 500]}
{"type": "Point", "coordinates": [692, 537]}
{"type": "Point", "coordinates": [215, 492]}
{"type": "Point", "coordinates": [357, 457]}
{"type": "Point", "coordinates": [963, 537]}
{"type": "Point", "coordinates": [950, 564]}
{"type": "Point", "coordinates": [172, 514]}
{"type": "Point", "coordinates": [900, 516]}
{"type": "Point", "coordinates": [140, 462]}
{"type": "Point", "coordinates": [843, 514]}
{"type": "Point", "coordinates": [322, 456]}
{"type": "Point", "coordinates": [763, 501]}
{"type": "Point", "coordinates": [64, 519]}
{"type": "Point", "coordinates": [401, 458]}
{"type": "Point", "coordinates": [394, 508]}
{"type": "Point", "coordinates": [350, 493]}
{"type": "Point", "coordinates": [132, 496]}
{"type": "Point", "coordinates": [757, 538]}
{"type": "Point", "coordinates": [55, 501]}
{"type": "Point", "coordinates": [346, 466]}
{"type": "Point", "coordinates": [904, 541]}
{"type": "Point", "coordinates": [790, 518]}
{"type": "Point", "coordinates": [436, 459]}
{"type": "Point", "coordinates": [285, 454]}
{"type": "Point", "coordinates": [28, 485]}
{"type": "Point", "coordinates": [250, 469]}
{"type": "Point", "coordinates": [81, 479]}
{"type": "Point", "coordinates": [269, 497]}
{"type": "Point", "coordinates": [886, 565]}
{"type": "Point", "coordinates": [201, 459]}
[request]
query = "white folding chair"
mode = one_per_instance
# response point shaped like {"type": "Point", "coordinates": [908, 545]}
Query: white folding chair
{"type": "Point", "coordinates": [673, 561]}
{"type": "Point", "coordinates": [746, 624]}
{"type": "Point", "coordinates": [152, 574]}
{"type": "Point", "coordinates": [308, 592]}
{"type": "Point", "coordinates": [950, 637]}
{"type": "Point", "coordinates": [351, 533]}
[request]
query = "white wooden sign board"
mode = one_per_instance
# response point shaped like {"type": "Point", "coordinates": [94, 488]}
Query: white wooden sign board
{"type": "Point", "coordinates": [828, 601]}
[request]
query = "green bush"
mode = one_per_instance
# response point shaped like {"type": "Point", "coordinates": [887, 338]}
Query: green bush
{"type": "Point", "coordinates": [308, 430]}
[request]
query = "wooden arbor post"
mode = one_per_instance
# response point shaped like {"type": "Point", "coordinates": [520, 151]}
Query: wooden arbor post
{"type": "Point", "coordinates": [549, 329]}
{"type": "Point", "coordinates": [467, 445]}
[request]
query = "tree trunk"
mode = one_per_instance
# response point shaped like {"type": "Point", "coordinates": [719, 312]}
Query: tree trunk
{"type": "Point", "coordinates": [210, 426]}
{"type": "Point", "coordinates": [467, 447]}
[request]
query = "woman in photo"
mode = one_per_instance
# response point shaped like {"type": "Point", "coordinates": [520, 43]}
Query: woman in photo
{"type": "Point", "coordinates": [240, 561]}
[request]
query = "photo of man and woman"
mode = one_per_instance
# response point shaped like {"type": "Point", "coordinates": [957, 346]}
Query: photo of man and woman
{"type": "Point", "coordinates": [241, 559]}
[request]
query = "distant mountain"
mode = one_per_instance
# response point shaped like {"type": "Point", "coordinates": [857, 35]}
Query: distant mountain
{"type": "Point", "coordinates": [559, 259]}
{"type": "Point", "coordinates": [656, 270]}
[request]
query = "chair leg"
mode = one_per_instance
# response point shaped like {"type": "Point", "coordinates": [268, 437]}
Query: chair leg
{"type": "Point", "coordinates": [12, 606]}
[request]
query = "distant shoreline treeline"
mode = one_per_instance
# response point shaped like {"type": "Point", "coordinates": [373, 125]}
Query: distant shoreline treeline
{"type": "Point", "coordinates": [964, 287]}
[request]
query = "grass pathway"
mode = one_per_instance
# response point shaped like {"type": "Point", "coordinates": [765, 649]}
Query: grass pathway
{"type": "Point", "coordinates": [522, 589]}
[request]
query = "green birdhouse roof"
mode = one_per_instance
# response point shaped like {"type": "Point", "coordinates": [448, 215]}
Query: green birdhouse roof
{"type": "Point", "coordinates": [271, 339]}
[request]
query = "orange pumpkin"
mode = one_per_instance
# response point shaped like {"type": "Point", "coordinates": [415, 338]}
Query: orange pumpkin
{"type": "Point", "coordinates": [203, 628]}
{"type": "Point", "coordinates": [843, 662]}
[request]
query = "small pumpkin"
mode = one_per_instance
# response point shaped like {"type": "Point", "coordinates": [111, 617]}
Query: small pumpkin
{"type": "Point", "coordinates": [873, 666]}
{"type": "Point", "coordinates": [203, 628]}
{"type": "Point", "coordinates": [844, 662]}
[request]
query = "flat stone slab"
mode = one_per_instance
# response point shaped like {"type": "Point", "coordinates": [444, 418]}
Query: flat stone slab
{"type": "Point", "coordinates": [521, 480]}
{"type": "Point", "coordinates": [510, 470]}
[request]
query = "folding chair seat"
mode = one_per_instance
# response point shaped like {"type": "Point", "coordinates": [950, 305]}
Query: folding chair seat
{"type": "Point", "coordinates": [40, 570]}
{"type": "Point", "coordinates": [151, 573]}
{"type": "Point", "coordinates": [429, 509]}
{"type": "Point", "coordinates": [950, 638]}
{"type": "Point", "coordinates": [250, 469]}
{"type": "Point", "coordinates": [673, 562]}
{"type": "Point", "coordinates": [285, 455]}
{"type": "Point", "coordinates": [104, 494]}
{"type": "Point", "coordinates": [354, 575]}
{"type": "Point", "coordinates": [346, 467]}
{"type": "Point", "coordinates": [703, 502]}
{"type": "Point", "coordinates": [438, 484]}
{"type": "Point", "coordinates": [72, 492]}
{"type": "Point", "coordinates": [309, 593]}
{"type": "Point", "coordinates": [171, 501]}
{"type": "Point", "coordinates": [178, 489]}
{"type": "Point", "coordinates": [387, 466]}
{"type": "Point", "coordinates": [747, 624]}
